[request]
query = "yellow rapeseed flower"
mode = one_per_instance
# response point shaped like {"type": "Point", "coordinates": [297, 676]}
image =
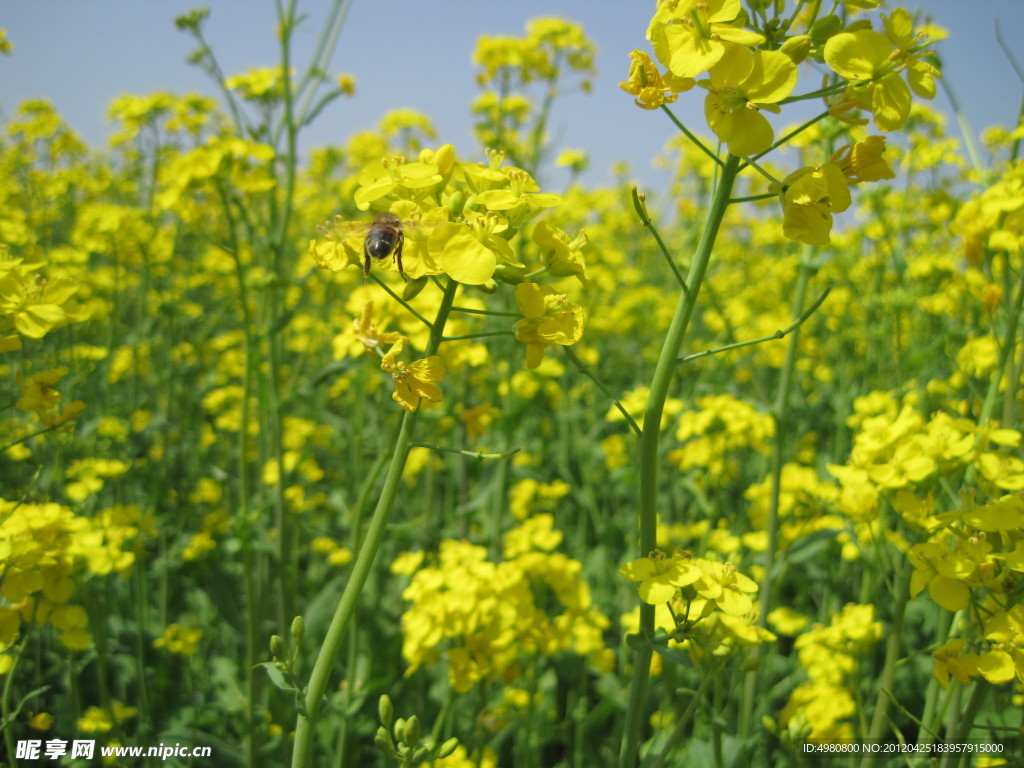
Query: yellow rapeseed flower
{"type": "Point", "coordinates": [415, 383]}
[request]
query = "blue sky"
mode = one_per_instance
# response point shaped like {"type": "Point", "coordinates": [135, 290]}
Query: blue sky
{"type": "Point", "coordinates": [410, 53]}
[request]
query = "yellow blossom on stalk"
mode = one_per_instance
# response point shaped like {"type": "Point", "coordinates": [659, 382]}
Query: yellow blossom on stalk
{"type": "Point", "coordinates": [456, 218]}
{"type": "Point", "coordinates": [179, 639]}
{"type": "Point", "coordinates": [691, 36]}
{"type": "Point", "coordinates": [661, 576]}
{"type": "Point", "coordinates": [529, 496]}
{"type": "Point", "coordinates": [549, 319]}
{"type": "Point", "coordinates": [699, 602]}
{"type": "Point", "coordinates": [347, 84]}
{"type": "Point", "coordinates": [477, 420]}
{"type": "Point", "coordinates": [484, 618]}
{"type": "Point", "coordinates": [366, 333]}
{"type": "Point", "coordinates": [6, 46]}
{"type": "Point", "coordinates": [41, 721]}
{"type": "Point", "coordinates": [741, 84]}
{"type": "Point", "coordinates": [95, 720]}
{"type": "Point", "coordinates": [945, 571]}
{"type": "Point", "coordinates": [829, 654]}
{"type": "Point", "coordinates": [31, 305]}
{"type": "Point", "coordinates": [576, 160]}
{"type": "Point", "coordinates": [651, 88]}
{"type": "Point", "coordinates": [562, 256]}
{"type": "Point", "coordinates": [1005, 630]}
{"type": "Point", "coordinates": [809, 197]}
{"type": "Point", "coordinates": [462, 758]}
{"type": "Point", "coordinates": [537, 533]}
{"type": "Point", "coordinates": [863, 161]}
{"type": "Point", "coordinates": [951, 661]}
{"type": "Point", "coordinates": [415, 382]}
{"type": "Point", "coordinates": [871, 62]}
{"type": "Point", "coordinates": [39, 395]}
{"type": "Point", "coordinates": [260, 83]}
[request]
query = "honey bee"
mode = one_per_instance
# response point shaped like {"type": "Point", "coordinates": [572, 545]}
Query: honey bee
{"type": "Point", "coordinates": [389, 234]}
{"type": "Point", "coordinates": [384, 238]}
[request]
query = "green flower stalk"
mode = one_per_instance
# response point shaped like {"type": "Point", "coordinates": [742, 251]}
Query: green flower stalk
{"type": "Point", "coordinates": [306, 724]}
{"type": "Point", "coordinates": [650, 437]}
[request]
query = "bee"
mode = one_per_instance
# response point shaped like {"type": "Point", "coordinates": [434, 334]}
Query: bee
{"type": "Point", "coordinates": [389, 234]}
{"type": "Point", "coordinates": [384, 238]}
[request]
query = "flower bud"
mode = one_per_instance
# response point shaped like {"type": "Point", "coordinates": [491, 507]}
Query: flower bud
{"type": "Point", "coordinates": [824, 28]}
{"type": "Point", "coordinates": [413, 288]}
{"type": "Point", "coordinates": [420, 755]}
{"type": "Point", "coordinates": [456, 201]}
{"type": "Point", "coordinates": [412, 731]}
{"type": "Point", "coordinates": [447, 748]}
{"type": "Point", "coordinates": [797, 48]}
{"type": "Point", "coordinates": [508, 274]}
{"type": "Point", "coordinates": [489, 287]}
{"type": "Point", "coordinates": [298, 630]}
{"type": "Point", "coordinates": [382, 741]}
{"type": "Point", "coordinates": [279, 648]}
{"type": "Point", "coordinates": [386, 710]}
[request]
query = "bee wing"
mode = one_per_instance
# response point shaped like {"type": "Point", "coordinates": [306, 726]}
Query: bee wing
{"type": "Point", "coordinates": [344, 229]}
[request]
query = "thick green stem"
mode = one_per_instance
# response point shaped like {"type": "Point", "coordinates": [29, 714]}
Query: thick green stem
{"type": "Point", "coordinates": [649, 439]}
{"type": "Point", "coordinates": [306, 724]}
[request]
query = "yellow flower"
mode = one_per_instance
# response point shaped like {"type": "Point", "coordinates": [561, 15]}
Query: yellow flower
{"type": "Point", "coordinates": [741, 84]}
{"type": "Point", "coordinates": [179, 639]}
{"type": "Point", "coordinates": [415, 382]}
{"type": "Point", "coordinates": [809, 196]}
{"type": "Point", "coordinates": [549, 319]}
{"type": "Point", "coordinates": [863, 161]}
{"type": "Point", "coordinates": [347, 84]}
{"type": "Point", "coordinates": [945, 572]}
{"type": "Point", "coordinates": [651, 88]}
{"type": "Point", "coordinates": [477, 420]}
{"type": "Point", "coordinates": [660, 577]}
{"type": "Point", "coordinates": [691, 36]}
{"type": "Point", "coordinates": [366, 333]}
{"type": "Point", "coordinates": [562, 256]}
{"type": "Point", "coordinates": [41, 721]}
{"type": "Point", "coordinates": [871, 62]}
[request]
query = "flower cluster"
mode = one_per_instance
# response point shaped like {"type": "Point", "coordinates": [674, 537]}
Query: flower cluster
{"type": "Point", "coordinates": [713, 434]}
{"type": "Point", "coordinates": [47, 550]}
{"type": "Point", "coordinates": [455, 219]}
{"type": "Point", "coordinates": [715, 39]}
{"type": "Point", "coordinates": [487, 619]}
{"type": "Point", "coordinates": [703, 605]}
{"type": "Point", "coordinates": [829, 655]}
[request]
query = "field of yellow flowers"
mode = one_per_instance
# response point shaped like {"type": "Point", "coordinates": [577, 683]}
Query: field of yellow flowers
{"type": "Point", "coordinates": [726, 474]}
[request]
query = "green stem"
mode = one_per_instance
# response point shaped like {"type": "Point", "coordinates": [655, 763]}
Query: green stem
{"type": "Point", "coordinates": [965, 128]}
{"type": "Point", "coordinates": [684, 719]}
{"type": "Point", "coordinates": [585, 370]}
{"type": "Point", "coordinates": [649, 439]}
{"type": "Point", "coordinates": [306, 725]}
{"type": "Point", "coordinates": [779, 334]}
